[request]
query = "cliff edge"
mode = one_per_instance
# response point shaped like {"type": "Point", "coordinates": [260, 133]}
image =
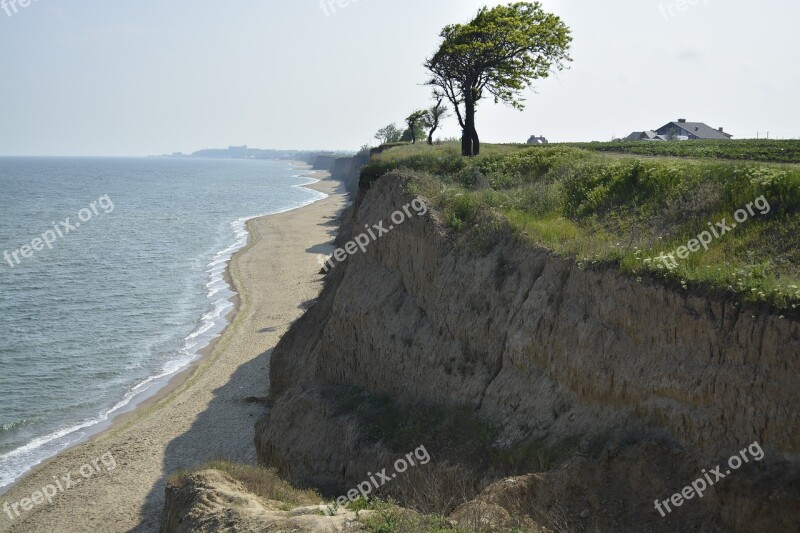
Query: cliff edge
{"type": "Point", "coordinates": [612, 392]}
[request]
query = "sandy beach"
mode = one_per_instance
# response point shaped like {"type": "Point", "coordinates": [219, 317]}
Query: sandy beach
{"type": "Point", "coordinates": [206, 413]}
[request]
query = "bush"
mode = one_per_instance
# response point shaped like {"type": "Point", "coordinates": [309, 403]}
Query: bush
{"type": "Point", "coordinates": [620, 209]}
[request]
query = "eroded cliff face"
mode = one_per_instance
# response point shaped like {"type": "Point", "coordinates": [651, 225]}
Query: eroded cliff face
{"type": "Point", "coordinates": [541, 348]}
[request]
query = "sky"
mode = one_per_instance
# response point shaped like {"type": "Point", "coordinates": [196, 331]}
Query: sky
{"type": "Point", "coordinates": [114, 78]}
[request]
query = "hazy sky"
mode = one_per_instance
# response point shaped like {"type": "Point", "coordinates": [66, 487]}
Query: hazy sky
{"type": "Point", "coordinates": [100, 77]}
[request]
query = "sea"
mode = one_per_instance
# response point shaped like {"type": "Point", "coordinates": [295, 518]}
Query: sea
{"type": "Point", "coordinates": [112, 281]}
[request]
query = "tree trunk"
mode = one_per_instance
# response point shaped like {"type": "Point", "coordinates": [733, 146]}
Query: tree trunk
{"type": "Point", "coordinates": [430, 135]}
{"type": "Point", "coordinates": [470, 145]}
{"type": "Point", "coordinates": [476, 142]}
{"type": "Point", "coordinates": [466, 143]}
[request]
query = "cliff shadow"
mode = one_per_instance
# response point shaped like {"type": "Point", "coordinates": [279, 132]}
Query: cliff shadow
{"type": "Point", "coordinates": [233, 411]}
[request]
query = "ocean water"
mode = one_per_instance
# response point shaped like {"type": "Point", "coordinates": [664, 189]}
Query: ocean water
{"type": "Point", "coordinates": [125, 292]}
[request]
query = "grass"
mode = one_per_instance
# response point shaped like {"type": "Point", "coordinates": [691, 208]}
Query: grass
{"type": "Point", "coordinates": [777, 151]}
{"type": "Point", "coordinates": [384, 516]}
{"type": "Point", "coordinates": [616, 210]}
{"type": "Point", "coordinates": [263, 482]}
{"type": "Point", "coordinates": [389, 518]}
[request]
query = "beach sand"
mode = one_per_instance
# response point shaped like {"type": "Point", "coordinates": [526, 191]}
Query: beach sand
{"type": "Point", "coordinates": [209, 411]}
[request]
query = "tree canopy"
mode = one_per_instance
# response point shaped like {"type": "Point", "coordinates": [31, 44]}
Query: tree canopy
{"type": "Point", "coordinates": [498, 53]}
{"type": "Point", "coordinates": [416, 123]}
{"type": "Point", "coordinates": [435, 115]}
{"type": "Point", "coordinates": [389, 134]}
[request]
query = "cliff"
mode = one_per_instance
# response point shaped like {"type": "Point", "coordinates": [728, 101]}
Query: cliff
{"type": "Point", "coordinates": [343, 168]}
{"type": "Point", "coordinates": [630, 387]}
{"type": "Point", "coordinates": [323, 162]}
{"type": "Point", "coordinates": [348, 169]}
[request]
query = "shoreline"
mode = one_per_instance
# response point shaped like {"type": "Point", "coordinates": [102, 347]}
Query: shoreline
{"type": "Point", "coordinates": [186, 379]}
{"type": "Point", "coordinates": [179, 378]}
{"type": "Point", "coordinates": [162, 386]}
{"type": "Point", "coordinates": [174, 381]}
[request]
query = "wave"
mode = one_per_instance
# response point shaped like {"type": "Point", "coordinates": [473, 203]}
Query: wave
{"type": "Point", "coordinates": [18, 462]}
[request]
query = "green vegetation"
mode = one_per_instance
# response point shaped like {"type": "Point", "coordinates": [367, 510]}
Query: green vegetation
{"type": "Point", "coordinates": [389, 134]}
{"type": "Point", "coordinates": [498, 54]}
{"type": "Point", "coordinates": [746, 150]}
{"type": "Point", "coordinates": [435, 115]}
{"type": "Point", "coordinates": [416, 122]}
{"type": "Point", "coordinates": [380, 515]}
{"type": "Point", "coordinates": [263, 482]}
{"type": "Point", "coordinates": [387, 517]}
{"type": "Point", "coordinates": [623, 211]}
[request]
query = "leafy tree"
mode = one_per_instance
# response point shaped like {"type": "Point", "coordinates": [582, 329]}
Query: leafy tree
{"type": "Point", "coordinates": [389, 134]}
{"type": "Point", "coordinates": [435, 115]}
{"type": "Point", "coordinates": [416, 123]}
{"type": "Point", "coordinates": [500, 53]}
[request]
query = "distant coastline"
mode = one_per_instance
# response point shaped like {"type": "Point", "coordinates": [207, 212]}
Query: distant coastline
{"type": "Point", "coordinates": [245, 152]}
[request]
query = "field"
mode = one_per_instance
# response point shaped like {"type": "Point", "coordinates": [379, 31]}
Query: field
{"type": "Point", "coordinates": [728, 222]}
{"type": "Point", "coordinates": [744, 150]}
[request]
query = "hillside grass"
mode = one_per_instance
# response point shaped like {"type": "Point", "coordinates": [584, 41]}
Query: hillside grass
{"type": "Point", "coordinates": [263, 482]}
{"type": "Point", "coordinates": [764, 150]}
{"type": "Point", "coordinates": [624, 211]}
{"type": "Point", "coordinates": [387, 517]}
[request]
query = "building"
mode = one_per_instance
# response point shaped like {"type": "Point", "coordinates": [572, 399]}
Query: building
{"type": "Point", "coordinates": [692, 130]}
{"type": "Point", "coordinates": [537, 140]}
{"type": "Point", "coordinates": [680, 131]}
{"type": "Point", "coordinates": [649, 135]}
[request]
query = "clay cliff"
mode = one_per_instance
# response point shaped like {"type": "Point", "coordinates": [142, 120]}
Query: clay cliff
{"type": "Point", "coordinates": [628, 387]}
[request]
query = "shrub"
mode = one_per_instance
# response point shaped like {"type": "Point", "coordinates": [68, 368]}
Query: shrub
{"type": "Point", "coordinates": [610, 208]}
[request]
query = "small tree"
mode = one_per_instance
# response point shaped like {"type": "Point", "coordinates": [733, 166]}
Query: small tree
{"type": "Point", "coordinates": [435, 115]}
{"type": "Point", "coordinates": [389, 134]}
{"type": "Point", "coordinates": [500, 52]}
{"type": "Point", "coordinates": [416, 125]}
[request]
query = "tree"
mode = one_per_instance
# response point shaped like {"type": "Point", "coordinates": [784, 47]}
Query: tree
{"type": "Point", "coordinates": [435, 115]}
{"type": "Point", "coordinates": [389, 134]}
{"type": "Point", "coordinates": [500, 53]}
{"type": "Point", "coordinates": [416, 126]}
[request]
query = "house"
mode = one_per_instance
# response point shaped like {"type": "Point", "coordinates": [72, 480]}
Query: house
{"type": "Point", "coordinates": [537, 140]}
{"type": "Point", "coordinates": [680, 131]}
{"type": "Point", "coordinates": [692, 130]}
{"type": "Point", "coordinates": [645, 136]}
